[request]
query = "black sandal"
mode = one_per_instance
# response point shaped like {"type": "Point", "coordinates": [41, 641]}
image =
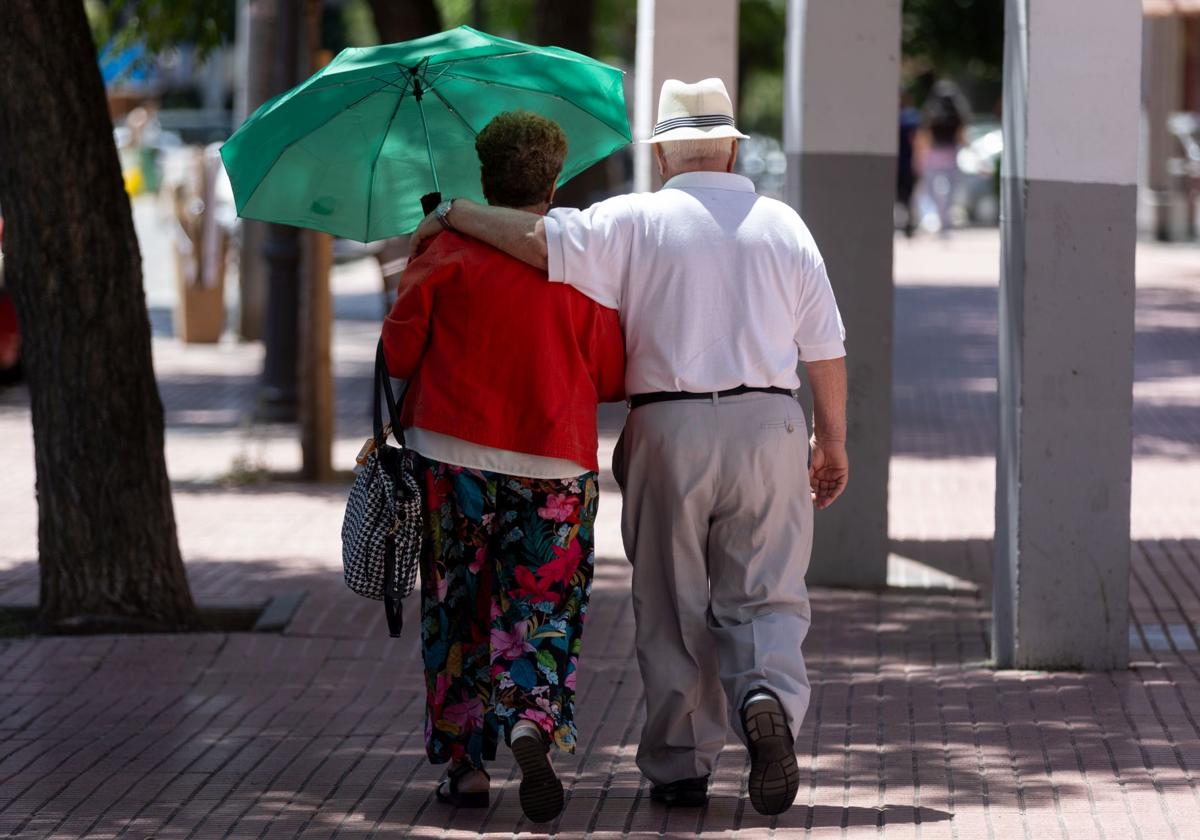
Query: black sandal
{"type": "Point", "coordinates": [448, 792]}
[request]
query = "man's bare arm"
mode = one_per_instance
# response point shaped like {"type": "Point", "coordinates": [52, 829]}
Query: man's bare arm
{"type": "Point", "coordinates": [830, 470]}
{"type": "Point", "coordinates": [516, 232]}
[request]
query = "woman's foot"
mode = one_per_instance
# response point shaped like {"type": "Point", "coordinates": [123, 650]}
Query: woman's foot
{"type": "Point", "coordinates": [465, 787]}
{"type": "Point", "coordinates": [541, 791]}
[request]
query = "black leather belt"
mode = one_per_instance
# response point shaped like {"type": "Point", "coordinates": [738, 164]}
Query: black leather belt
{"type": "Point", "coordinates": [638, 400]}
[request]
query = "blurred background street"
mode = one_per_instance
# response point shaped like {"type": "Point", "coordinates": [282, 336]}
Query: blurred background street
{"type": "Point", "coordinates": [314, 732]}
{"type": "Point", "coordinates": [293, 714]}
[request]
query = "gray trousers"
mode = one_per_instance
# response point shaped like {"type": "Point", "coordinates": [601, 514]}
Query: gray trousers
{"type": "Point", "coordinates": [717, 521]}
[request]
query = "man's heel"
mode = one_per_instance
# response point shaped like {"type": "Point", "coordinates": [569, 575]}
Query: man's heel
{"type": "Point", "coordinates": [774, 773]}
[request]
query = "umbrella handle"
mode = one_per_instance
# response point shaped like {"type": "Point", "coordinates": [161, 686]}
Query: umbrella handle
{"type": "Point", "coordinates": [430, 201]}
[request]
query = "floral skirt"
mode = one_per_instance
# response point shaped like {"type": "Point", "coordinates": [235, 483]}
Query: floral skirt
{"type": "Point", "coordinates": [506, 575]}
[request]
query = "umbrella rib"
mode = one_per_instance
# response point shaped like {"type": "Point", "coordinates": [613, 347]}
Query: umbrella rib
{"type": "Point", "coordinates": [488, 57]}
{"type": "Point", "coordinates": [375, 160]}
{"type": "Point", "coordinates": [575, 105]}
{"type": "Point", "coordinates": [565, 55]}
{"type": "Point", "coordinates": [453, 111]}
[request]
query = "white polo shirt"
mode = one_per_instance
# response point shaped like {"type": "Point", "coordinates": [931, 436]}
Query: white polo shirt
{"type": "Point", "coordinates": [717, 286]}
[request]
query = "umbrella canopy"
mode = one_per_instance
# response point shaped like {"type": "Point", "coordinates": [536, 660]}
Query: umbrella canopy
{"type": "Point", "coordinates": [351, 150]}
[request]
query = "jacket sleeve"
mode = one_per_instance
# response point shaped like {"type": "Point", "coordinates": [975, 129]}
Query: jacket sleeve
{"type": "Point", "coordinates": [406, 328]}
{"type": "Point", "coordinates": [608, 354]}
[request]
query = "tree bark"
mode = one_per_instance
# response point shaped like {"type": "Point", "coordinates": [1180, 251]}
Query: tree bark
{"type": "Point", "coordinates": [278, 400]}
{"type": "Point", "coordinates": [255, 46]}
{"type": "Point", "coordinates": [108, 551]}
{"type": "Point", "coordinates": [316, 320]}
{"type": "Point", "coordinates": [570, 25]}
{"type": "Point", "coordinates": [402, 20]}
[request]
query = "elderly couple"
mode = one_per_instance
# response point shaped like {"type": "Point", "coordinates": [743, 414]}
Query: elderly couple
{"type": "Point", "coordinates": [696, 304]}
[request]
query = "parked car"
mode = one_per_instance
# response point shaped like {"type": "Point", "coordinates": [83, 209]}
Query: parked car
{"type": "Point", "coordinates": [978, 193]}
{"type": "Point", "coordinates": [10, 331]}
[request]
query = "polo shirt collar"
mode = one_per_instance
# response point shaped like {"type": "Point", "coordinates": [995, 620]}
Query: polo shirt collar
{"type": "Point", "coordinates": [710, 180]}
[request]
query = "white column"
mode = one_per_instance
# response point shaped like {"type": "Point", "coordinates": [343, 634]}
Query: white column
{"type": "Point", "coordinates": [1071, 110]}
{"type": "Point", "coordinates": [840, 134]}
{"type": "Point", "coordinates": [688, 40]}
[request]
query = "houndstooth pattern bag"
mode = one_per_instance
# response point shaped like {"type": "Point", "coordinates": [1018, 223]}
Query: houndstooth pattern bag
{"type": "Point", "coordinates": [382, 530]}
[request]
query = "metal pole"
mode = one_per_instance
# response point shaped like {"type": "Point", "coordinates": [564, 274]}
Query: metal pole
{"type": "Point", "coordinates": [419, 94]}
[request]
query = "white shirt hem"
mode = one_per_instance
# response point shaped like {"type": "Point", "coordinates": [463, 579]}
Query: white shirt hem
{"type": "Point", "coordinates": [463, 453]}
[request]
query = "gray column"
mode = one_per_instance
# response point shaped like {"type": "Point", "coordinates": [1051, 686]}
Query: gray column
{"type": "Point", "coordinates": [687, 40]}
{"type": "Point", "coordinates": [840, 134]}
{"type": "Point", "coordinates": [1162, 95]}
{"type": "Point", "coordinates": [1061, 566]}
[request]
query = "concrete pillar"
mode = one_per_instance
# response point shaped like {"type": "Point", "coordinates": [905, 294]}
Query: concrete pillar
{"type": "Point", "coordinates": [841, 89]}
{"type": "Point", "coordinates": [1071, 104]}
{"type": "Point", "coordinates": [688, 40]}
{"type": "Point", "coordinates": [1162, 95]}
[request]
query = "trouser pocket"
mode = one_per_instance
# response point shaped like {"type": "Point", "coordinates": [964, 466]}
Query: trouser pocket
{"type": "Point", "coordinates": [618, 461]}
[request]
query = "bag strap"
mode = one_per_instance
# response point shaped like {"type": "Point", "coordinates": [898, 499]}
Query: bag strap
{"type": "Point", "coordinates": [393, 608]}
{"type": "Point", "coordinates": [383, 385]}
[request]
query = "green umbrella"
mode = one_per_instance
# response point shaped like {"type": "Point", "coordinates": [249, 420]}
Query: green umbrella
{"type": "Point", "coordinates": [352, 150]}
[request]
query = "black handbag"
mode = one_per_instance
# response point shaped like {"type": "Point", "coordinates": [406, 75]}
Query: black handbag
{"type": "Point", "coordinates": [384, 524]}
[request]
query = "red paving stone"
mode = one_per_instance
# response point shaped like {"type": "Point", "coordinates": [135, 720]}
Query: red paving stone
{"type": "Point", "coordinates": [316, 732]}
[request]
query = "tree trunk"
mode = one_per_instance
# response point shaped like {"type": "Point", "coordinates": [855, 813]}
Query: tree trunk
{"type": "Point", "coordinates": [316, 359]}
{"type": "Point", "coordinates": [108, 552]}
{"type": "Point", "coordinates": [278, 400]}
{"type": "Point", "coordinates": [402, 20]}
{"type": "Point", "coordinates": [255, 46]}
{"type": "Point", "coordinates": [569, 25]}
{"type": "Point", "coordinates": [316, 320]}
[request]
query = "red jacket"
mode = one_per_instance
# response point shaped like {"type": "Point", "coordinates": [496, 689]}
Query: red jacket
{"type": "Point", "coordinates": [500, 357]}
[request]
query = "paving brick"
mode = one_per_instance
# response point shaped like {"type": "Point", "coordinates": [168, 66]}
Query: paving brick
{"type": "Point", "coordinates": [316, 732]}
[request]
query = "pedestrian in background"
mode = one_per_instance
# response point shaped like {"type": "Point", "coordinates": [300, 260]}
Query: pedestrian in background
{"type": "Point", "coordinates": [944, 121]}
{"type": "Point", "coordinates": [906, 168]}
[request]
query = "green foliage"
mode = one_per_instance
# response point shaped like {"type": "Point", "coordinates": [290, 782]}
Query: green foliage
{"type": "Point", "coordinates": [761, 27]}
{"type": "Point", "coordinates": [614, 27]}
{"type": "Point", "coordinates": [760, 104]}
{"type": "Point", "coordinates": [961, 39]}
{"type": "Point", "coordinates": [955, 37]}
{"type": "Point", "coordinates": [359, 24]}
{"type": "Point", "coordinates": [160, 24]}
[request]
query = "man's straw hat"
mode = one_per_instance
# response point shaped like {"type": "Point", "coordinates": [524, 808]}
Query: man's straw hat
{"type": "Point", "coordinates": [702, 111]}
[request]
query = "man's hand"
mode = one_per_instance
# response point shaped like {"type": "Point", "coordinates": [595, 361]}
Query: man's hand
{"type": "Point", "coordinates": [829, 472]}
{"type": "Point", "coordinates": [519, 233]}
{"type": "Point", "coordinates": [429, 228]}
{"type": "Point", "coordinates": [830, 465]}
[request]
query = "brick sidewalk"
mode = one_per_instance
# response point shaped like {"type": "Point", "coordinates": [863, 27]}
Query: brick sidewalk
{"type": "Point", "coordinates": [316, 732]}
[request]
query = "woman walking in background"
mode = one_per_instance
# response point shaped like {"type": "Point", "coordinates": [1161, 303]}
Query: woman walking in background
{"type": "Point", "coordinates": [945, 116]}
{"type": "Point", "coordinates": [505, 372]}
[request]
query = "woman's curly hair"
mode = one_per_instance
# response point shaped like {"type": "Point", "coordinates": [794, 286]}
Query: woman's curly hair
{"type": "Point", "coordinates": [520, 154]}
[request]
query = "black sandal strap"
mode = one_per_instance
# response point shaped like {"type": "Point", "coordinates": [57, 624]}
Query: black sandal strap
{"type": "Point", "coordinates": [455, 774]}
